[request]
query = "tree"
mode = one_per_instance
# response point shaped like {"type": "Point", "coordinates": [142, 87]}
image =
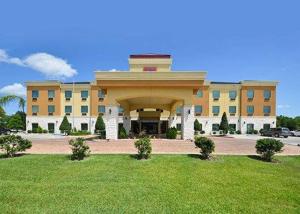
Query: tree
{"type": "Point", "coordinates": [100, 125]}
{"type": "Point", "coordinates": [23, 117]}
{"type": "Point", "coordinates": [197, 125]}
{"type": "Point", "coordinates": [10, 98]}
{"type": "Point", "coordinates": [15, 122]}
{"type": "Point", "coordinates": [224, 123]}
{"type": "Point", "coordinates": [65, 126]}
{"type": "Point", "coordinates": [12, 144]}
{"type": "Point", "coordinates": [2, 112]}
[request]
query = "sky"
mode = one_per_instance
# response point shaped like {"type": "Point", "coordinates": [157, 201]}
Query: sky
{"type": "Point", "coordinates": [231, 40]}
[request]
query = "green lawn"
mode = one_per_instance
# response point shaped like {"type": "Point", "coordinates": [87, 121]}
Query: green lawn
{"type": "Point", "coordinates": [164, 184]}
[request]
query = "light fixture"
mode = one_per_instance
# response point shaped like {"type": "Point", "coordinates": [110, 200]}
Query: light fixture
{"type": "Point", "coordinates": [110, 111]}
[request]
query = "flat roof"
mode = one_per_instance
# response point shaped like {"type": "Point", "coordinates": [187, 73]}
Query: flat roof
{"type": "Point", "coordinates": [150, 56]}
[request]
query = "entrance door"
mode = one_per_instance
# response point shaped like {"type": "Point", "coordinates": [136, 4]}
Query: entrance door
{"type": "Point", "coordinates": [51, 128]}
{"type": "Point", "coordinates": [150, 127]}
{"type": "Point", "coordinates": [250, 128]}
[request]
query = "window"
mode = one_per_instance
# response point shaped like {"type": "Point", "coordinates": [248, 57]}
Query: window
{"type": "Point", "coordinates": [267, 94]}
{"type": "Point", "coordinates": [232, 110]}
{"type": "Point", "coordinates": [232, 95]}
{"type": "Point", "coordinates": [35, 109]}
{"type": "Point", "coordinates": [250, 94]}
{"type": "Point", "coordinates": [266, 126]}
{"type": "Point", "coordinates": [216, 110]}
{"type": "Point", "coordinates": [250, 110]}
{"type": "Point", "coordinates": [51, 109]}
{"type": "Point", "coordinates": [250, 128]}
{"type": "Point", "coordinates": [101, 109]}
{"type": "Point", "coordinates": [51, 127]}
{"type": "Point", "coordinates": [215, 127]}
{"type": "Point", "coordinates": [178, 126]}
{"type": "Point", "coordinates": [121, 111]}
{"type": "Point", "coordinates": [178, 110]}
{"type": "Point", "coordinates": [84, 126]}
{"type": "Point", "coordinates": [34, 126]}
{"type": "Point", "coordinates": [68, 95]}
{"type": "Point", "coordinates": [101, 94]}
{"type": "Point", "coordinates": [51, 94]}
{"type": "Point", "coordinates": [267, 110]}
{"type": "Point", "coordinates": [198, 110]}
{"type": "Point", "coordinates": [216, 94]}
{"type": "Point", "coordinates": [232, 127]}
{"type": "Point", "coordinates": [84, 110]}
{"type": "Point", "coordinates": [35, 94]}
{"type": "Point", "coordinates": [199, 93]}
{"type": "Point", "coordinates": [68, 110]}
{"type": "Point", "coordinates": [84, 95]}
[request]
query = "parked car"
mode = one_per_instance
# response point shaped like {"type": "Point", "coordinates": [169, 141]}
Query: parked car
{"type": "Point", "coordinates": [4, 131]}
{"type": "Point", "coordinates": [276, 132]}
{"type": "Point", "coordinates": [295, 133]}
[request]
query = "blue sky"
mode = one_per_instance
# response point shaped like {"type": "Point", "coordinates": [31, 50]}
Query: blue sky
{"type": "Point", "coordinates": [231, 40]}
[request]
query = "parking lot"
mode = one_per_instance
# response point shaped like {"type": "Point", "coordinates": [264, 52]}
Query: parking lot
{"type": "Point", "coordinates": [291, 140]}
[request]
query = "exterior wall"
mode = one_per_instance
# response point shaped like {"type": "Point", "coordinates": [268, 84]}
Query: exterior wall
{"type": "Point", "coordinates": [42, 101]}
{"type": "Point", "coordinates": [258, 122]}
{"type": "Point", "coordinates": [203, 101]}
{"type": "Point", "coordinates": [95, 102]}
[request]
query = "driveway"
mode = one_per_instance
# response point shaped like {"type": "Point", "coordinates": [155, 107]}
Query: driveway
{"type": "Point", "coordinates": [224, 146]}
{"type": "Point", "coordinates": [291, 140]}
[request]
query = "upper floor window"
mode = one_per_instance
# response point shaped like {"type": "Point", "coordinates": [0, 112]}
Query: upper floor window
{"type": "Point", "coordinates": [84, 110]}
{"type": "Point", "coordinates": [51, 109]}
{"type": "Point", "coordinates": [232, 110]}
{"type": "Point", "coordinates": [68, 95]}
{"type": "Point", "coordinates": [216, 94]}
{"type": "Point", "coordinates": [101, 109]}
{"type": "Point", "coordinates": [267, 94]}
{"type": "Point", "coordinates": [51, 94]}
{"type": "Point", "coordinates": [101, 94]}
{"type": "Point", "coordinates": [35, 94]}
{"type": "Point", "coordinates": [250, 110]}
{"type": "Point", "coordinates": [267, 110]}
{"type": "Point", "coordinates": [84, 94]}
{"type": "Point", "coordinates": [34, 109]}
{"type": "Point", "coordinates": [232, 95]}
{"type": "Point", "coordinates": [216, 110]}
{"type": "Point", "coordinates": [198, 110]}
{"type": "Point", "coordinates": [121, 111]}
{"type": "Point", "coordinates": [250, 94]}
{"type": "Point", "coordinates": [178, 110]}
{"type": "Point", "coordinates": [68, 110]}
{"type": "Point", "coordinates": [199, 93]}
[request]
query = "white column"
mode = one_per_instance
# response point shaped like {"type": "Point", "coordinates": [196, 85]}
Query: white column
{"type": "Point", "coordinates": [127, 123]}
{"type": "Point", "coordinates": [187, 122]}
{"type": "Point", "coordinates": [111, 126]}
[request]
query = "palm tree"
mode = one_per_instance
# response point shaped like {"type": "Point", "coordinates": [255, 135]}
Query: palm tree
{"type": "Point", "coordinates": [10, 98]}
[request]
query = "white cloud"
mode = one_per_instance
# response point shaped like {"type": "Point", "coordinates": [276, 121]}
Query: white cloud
{"type": "Point", "coordinates": [283, 106]}
{"type": "Point", "coordinates": [14, 89]}
{"type": "Point", "coordinates": [113, 70]}
{"type": "Point", "coordinates": [44, 63]}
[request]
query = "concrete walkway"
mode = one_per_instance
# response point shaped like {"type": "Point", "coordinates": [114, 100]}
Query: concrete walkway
{"type": "Point", "coordinates": [224, 145]}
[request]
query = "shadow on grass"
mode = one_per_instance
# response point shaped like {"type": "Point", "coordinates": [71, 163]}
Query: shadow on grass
{"type": "Point", "coordinates": [199, 156]}
{"type": "Point", "coordinates": [4, 156]}
{"type": "Point", "coordinates": [259, 158]}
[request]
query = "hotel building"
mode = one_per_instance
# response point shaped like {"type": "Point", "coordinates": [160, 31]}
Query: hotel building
{"type": "Point", "coordinates": [151, 97]}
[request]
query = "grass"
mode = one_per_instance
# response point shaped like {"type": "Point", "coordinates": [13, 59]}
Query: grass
{"type": "Point", "coordinates": [164, 184]}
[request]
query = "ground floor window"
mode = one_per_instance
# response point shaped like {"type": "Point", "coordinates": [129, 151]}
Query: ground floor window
{"type": "Point", "coordinates": [266, 126]}
{"type": "Point", "coordinates": [120, 125]}
{"type": "Point", "coordinates": [250, 128]}
{"type": "Point", "coordinates": [34, 126]}
{"type": "Point", "coordinates": [84, 126]}
{"type": "Point", "coordinates": [232, 127]}
{"type": "Point", "coordinates": [178, 126]}
{"type": "Point", "coordinates": [215, 127]}
{"type": "Point", "coordinates": [51, 127]}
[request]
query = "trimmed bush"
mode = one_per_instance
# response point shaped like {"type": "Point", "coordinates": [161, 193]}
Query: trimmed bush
{"type": "Point", "coordinates": [144, 148]}
{"type": "Point", "coordinates": [12, 144]}
{"type": "Point", "coordinates": [122, 133]}
{"type": "Point", "coordinates": [171, 133]}
{"type": "Point", "coordinates": [224, 126]}
{"type": "Point", "coordinates": [45, 131]}
{"type": "Point", "coordinates": [39, 130]}
{"type": "Point", "coordinates": [197, 125]}
{"type": "Point", "coordinates": [202, 132]}
{"type": "Point", "coordinates": [255, 132]}
{"type": "Point", "coordinates": [65, 126]}
{"type": "Point", "coordinates": [206, 145]}
{"type": "Point", "coordinates": [231, 132]}
{"type": "Point", "coordinates": [238, 132]}
{"type": "Point", "coordinates": [80, 149]}
{"type": "Point", "coordinates": [268, 147]}
{"type": "Point", "coordinates": [79, 133]}
{"type": "Point", "coordinates": [29, 131]}
{"type": "Point", "coordinates": [100, 127]}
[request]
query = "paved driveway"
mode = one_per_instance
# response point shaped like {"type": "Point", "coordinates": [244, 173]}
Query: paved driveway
{"type": "Point", "coordinates": [291, 140]}
{"type": "Point", "coordinates": [224, 145]}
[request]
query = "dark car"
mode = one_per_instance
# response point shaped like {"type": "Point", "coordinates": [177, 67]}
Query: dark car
{"type": "Point", "coordinates": [4, 131]}
{"type": "Point", "coordinates": [276, 132]}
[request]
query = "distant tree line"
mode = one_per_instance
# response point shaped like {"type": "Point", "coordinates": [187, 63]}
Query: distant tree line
{"type": "Point", "coordinates": [288, 122]}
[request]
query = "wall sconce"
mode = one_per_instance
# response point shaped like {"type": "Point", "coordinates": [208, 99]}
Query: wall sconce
{"type": "Point", "coordinates": [27, 121]}
{"type": "Point", "coordinates": [125, 118]}
{"type": "Point", "coordinates": [206, 122]}
{"type": "Point", "coordinates": [109, 111]}
{"type": "Point", "coordinates": [189, 111]}
{"type": "Point", "coordinates": [273, 122]}
{"type": "Point", "coordinates": [244, 122]}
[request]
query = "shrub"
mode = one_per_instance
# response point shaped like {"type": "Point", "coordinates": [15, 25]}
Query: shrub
{"type": "Point", "coordinates": [231, 132]}
{"type": "Point", "coordinates": [100, 125]}
{"type": "Point", "coordinates": [255, 132]}
{"type": "Point", "coordinates": [80, 149]}
{"type": "Point", "coordinates": [29, 131]}
{"type": "Point", "coordinates": [65, 126]}
{"type": "Point", "coordinates": [268, 147]}
{"type": "Point", "coordinates": [171, 133]}
{"type": "Point", "coordinates": [122, 133]}
{"type": "Point", "coordinates": [238, 132]}
{"type": "Point", "coordinates": [197, 125]}
{"type": "Point", "coordinates": [144, 147]}
{"type": "Point", "coordinates": [206, 145]}
{"type": "Point", "coordinates": [39, 130]}
{"type": "Point", "coordinates": [202, 132]}
{"type": "Point", "coordinates": [12, 144]}
{"type": "Point", "coordinates": [79, 133]}
{"type": "Point", "coordinates": [15, 122]}
{"type": "Point", "coordinates": [45, 131]}
{"type": "Point", "coordinates": [224, 123]}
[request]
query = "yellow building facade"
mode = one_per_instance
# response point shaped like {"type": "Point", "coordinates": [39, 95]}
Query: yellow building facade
{"type": "Point", "coordinates": [150, 97]}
